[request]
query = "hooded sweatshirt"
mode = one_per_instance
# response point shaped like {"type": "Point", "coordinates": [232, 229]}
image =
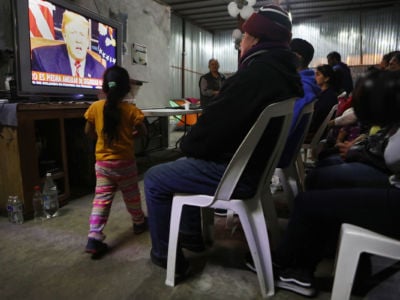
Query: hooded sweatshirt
{"type": "Point", "coordinates": [268, 76]}
{"type": "Point", "coordinates": [311, 91]}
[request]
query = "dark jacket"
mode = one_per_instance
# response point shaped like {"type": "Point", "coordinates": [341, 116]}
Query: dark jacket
{"type": "Point", "coordinates": [269, 77]}
{"type": "Point", "coordinates": [213, 84]}
{"type": "Point", "coordinates": [325, 101]}
{"type": "Point", "coordinates": [343, 74]}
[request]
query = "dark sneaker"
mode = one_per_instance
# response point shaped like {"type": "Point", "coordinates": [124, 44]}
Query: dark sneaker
{"type": "Point", "coordinates": [192, 242]}
{"type": "Point", "coordinates": [182, 268]}
{"type": "Point", "coordinates": [96, 248]}
{"type": "Point", "coordinates": [299, 281]}
{"type": "Point", "coordinates": [220, 212]}
{"type": "Point", "coordinates": [140, 228]}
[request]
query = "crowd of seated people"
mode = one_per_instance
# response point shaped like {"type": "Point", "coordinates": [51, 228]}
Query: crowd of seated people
{"type": "Point", "coordinates": [361, 187]}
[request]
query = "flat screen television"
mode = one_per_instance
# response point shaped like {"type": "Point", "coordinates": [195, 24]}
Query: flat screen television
{"type": "Point", "coordinates": [62, 50]}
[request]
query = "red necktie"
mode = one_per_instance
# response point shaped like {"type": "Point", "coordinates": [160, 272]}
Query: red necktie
{"type": "Point", "coordinates": [77, 68]}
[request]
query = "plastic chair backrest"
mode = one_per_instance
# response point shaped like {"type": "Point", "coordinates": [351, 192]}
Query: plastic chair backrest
{"type": "Point", "coordinates": [318, 135]}
{"type": "Point", "coordinates": [296, 138]}
{"type": "Point", "coordinates": [243, 153]}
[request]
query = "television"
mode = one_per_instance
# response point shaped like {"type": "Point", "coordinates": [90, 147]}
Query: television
{"type": "Point", "coordinates": [61, 49]}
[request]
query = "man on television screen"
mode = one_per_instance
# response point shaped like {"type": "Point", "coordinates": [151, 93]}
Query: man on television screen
{"type": "Point", "coordinates": [72, 57]}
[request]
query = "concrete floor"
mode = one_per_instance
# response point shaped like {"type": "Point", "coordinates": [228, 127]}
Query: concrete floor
{"type": "Point", "coordinates": [46, 260]}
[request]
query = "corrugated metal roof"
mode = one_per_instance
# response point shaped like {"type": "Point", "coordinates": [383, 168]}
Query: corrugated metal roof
{"type": "Point", "coordinates": [212, 15]}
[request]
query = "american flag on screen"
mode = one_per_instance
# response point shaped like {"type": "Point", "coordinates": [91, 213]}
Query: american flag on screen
{"type": "Point", "coordinates": [107, 44]}
{"type": "Point", "coordinates": [41, 21]}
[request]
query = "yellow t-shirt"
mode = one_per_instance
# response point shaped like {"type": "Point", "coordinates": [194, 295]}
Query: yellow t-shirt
{"type": "Point", "coordinates": [123, 148]}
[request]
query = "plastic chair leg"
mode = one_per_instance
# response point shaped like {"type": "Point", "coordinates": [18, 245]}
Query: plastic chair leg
{"type": "Point", "coordinates": [346, 266]}
{"type": "Point", "coordinates": [173, 242]}
{"type": "Point", "coordinates": [254, 226]}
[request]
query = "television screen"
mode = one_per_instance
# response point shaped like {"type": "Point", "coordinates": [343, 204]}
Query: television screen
{"type": "Point", "coordinates": [62, 49]}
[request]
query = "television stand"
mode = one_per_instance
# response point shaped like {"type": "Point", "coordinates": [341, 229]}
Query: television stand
{"type": "Point", "coordinates": [48, 136]}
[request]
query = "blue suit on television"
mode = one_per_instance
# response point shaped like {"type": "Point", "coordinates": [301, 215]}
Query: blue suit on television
{"type": "Point", "coordinates": [54, 59]}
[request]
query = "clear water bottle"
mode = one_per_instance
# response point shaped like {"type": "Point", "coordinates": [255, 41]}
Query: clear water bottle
{"type": "Point", "coordinates": [17, 210]}
{"type": "Point", "coordinates": [37, 203]}
{"type": "Point", "coordinates": [50, 197]}
{"type": "Point", "coordinates": [10, 208]}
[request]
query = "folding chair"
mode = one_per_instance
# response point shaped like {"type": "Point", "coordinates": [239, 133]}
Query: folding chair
{"type": "Point", "coordinates": [252, 212]}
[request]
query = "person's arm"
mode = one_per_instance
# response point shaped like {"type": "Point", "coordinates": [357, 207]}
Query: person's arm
{"type": "Point", "coordinates": [140, 130]}
{"type": "Point", "coordinates": [348, 117]}
{"type": "Point", "coordinates": [204, 88]}
{"type": "Point", "coordinates": [90, 130]}
{"type": "Point", "coordinates": [392, 153]}
{"type": "Point", "coordinates": [344, 147]}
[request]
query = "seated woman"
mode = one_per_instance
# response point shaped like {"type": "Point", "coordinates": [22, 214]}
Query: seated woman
{"type": "Point", "coordinates": [318, 214]}
{"type": "Point", "coordinates": [326, 80]}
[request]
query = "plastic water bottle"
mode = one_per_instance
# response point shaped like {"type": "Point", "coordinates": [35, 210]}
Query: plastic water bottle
{"type": "Point", "coordinates": [17, 210]}
{"type": "Point", "coordinates": [50, 197]}
{"type": "Point", "coordinates": [10, 208]}
{"type": "Point", "coordinates": [37, 203]}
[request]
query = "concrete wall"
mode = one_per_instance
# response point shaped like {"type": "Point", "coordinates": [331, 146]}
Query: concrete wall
{"type": "Point", "coordinates": [147, 22]}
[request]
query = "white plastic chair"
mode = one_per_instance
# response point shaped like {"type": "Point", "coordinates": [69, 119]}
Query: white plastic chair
{"type": "Point", "coordinates": [313, 145]}
{"type": "Point", "coordinates": [292, 175]}
{"type": "Point", "coordinates": [250, 211]}
{"type": "Point", "coordinates": [355, 240]}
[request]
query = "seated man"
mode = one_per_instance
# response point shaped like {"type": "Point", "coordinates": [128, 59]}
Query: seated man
{"type": "Point", "coordinates": [267, 73]}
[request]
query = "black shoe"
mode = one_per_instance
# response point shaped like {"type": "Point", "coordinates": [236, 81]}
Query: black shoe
{"type": "Point", "coordinates": [192, 242]}
{"type": "Point", "coordinates": [96, 248]}
{"type": "Point", "coordinates": [300, 281]}
{"type": "Point", "coordinates": [182, 268]}
{"type": "Point", "coordinates": [140, 228]}
{"type": "Point", "coordinates": [220, 212]}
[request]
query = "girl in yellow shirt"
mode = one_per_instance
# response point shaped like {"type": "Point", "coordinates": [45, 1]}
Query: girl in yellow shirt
{"type": "Point", "coordinates": [114, 123]}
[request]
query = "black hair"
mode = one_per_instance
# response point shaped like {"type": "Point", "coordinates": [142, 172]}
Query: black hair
{"type": "Point", "coordinates": [335, 55]}
{"type": "Point", "coordinates": [376, 98]}
{"type": "Point", "coordinates": [388, 56]}
{"type": "Point", "coordinates": [304, 49]}
{"type": "Point", "coordinates": [116, 85]}
{"type": "Point", "coordinates": [328, 71]}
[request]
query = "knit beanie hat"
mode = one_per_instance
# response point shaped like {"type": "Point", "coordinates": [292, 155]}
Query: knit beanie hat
{"type": "Point", "coordinates": [271, 22]}
{"type": "Point", "coordinates": [304, 49]}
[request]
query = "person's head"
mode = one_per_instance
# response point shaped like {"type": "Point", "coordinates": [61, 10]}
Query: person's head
{"type": "Point", "coordinates": [213, 65]}
{"type": "Point", "coordinates": [333, 58]}
{"type": "Point", "coordinates": [394, 63]}
{"type": "Point", "coordinates": [325, 76]}
{"type": "Point", "coordinates": [116, 85]}
{"type": "Point", "coordinates": [303, 50]}
{"type": "Point", "coordinates": [75, 30]}
{"type": "Point", "coordinates": [116, 82]}
{"type": "Point", "coordinates": [376, 98]}
{"type": "Point", "coordinates": [270, 23]}
{"type": "Point", "coordinates": [386, 59]}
